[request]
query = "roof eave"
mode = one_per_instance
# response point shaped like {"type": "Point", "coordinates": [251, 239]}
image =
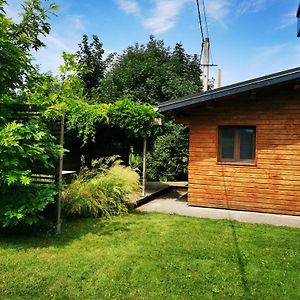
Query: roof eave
{"type": "Point", "coordinates": [218, 94]}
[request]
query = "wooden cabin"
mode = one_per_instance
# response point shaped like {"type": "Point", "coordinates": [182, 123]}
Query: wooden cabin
{"type": "Point", "coordinates": [244, 151]}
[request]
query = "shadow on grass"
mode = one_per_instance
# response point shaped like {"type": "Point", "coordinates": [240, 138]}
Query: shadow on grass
{"type": "Point", "coordinates": [43, 236]}
{"type": "Point", "coordinates": [240, 261]}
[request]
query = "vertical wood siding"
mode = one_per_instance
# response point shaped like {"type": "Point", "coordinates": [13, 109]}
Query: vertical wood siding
{"type": "Point", "coordinates": [270, 185]}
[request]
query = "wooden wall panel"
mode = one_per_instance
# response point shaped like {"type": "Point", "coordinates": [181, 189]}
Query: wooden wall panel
{"type": "Point", "coordinates": [270, 185]}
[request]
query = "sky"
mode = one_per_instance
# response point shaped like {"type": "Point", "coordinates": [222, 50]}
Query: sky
{"type": "Point", "coordinates": [249, 38]}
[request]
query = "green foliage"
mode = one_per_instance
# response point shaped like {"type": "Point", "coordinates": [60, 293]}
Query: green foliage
{"type": "Point", "coordinates": [23, 204]}
{"type": "Point", "coordinates": [151, 73]}
{"type": "Point", "coordinates": [66, 97]}
{"type": "Point", "coordinates": [18, 39]}
{"type": "Point", "coordinates": [169, 157]}
{"type": "Point", "coordinates": [101, 192]}
{"type": "Point", "coordinates": [133, 117]}
{"type": "Point", "coordinates": [91, 57]}
{"type": "Point", "coordinates": [86, 117]}
{"type": "Point", "coordinates": [58, 95]}
{"type": "Point", "coordinates": [22, 146]}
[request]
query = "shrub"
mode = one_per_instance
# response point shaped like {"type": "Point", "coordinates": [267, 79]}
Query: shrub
{"type": "Point", "coordinates": [24, 145]}
{"type": "Point", "coordinates": [103, 191]}
{"type": "Point", "coordinates": [168, 159]}
{"type": "Point", "coordinates": [23, 205]}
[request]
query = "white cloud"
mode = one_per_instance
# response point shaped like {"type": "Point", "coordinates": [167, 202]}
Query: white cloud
{"type": "Point", "coordinates": [129, 6]}
{"type": "Point", "coordinates": [218, 10]}
{"type": "Point", "coordinates": [251, 6]}
{"type": "Point", "coordinates": [287, 20]}
{"type": "Point", "coordinates": [270, 59]}
{"type": "Point", "coordinates": [50, 57]}
{"type": "Point", "coordinates": [66, 33]}
{"type": "Point", "coordinates": [12, 10]}
{"type": "Point", "coordinates": [163, 16]}
{"type": "Point", "coordinates": [79, 22]}
{"type": "Point", "coordinates": [264, 54]}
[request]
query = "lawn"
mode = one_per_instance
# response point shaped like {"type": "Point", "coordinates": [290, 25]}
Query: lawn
{"type": "Point", "coordinates": [152, 256]}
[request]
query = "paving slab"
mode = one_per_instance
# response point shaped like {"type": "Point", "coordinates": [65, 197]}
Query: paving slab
{"type": "Point", "coordinates": [175, 202]}
{"type": "Point", "coordinates": [156, 189]}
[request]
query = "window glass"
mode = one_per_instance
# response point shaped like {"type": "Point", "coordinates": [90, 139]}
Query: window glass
{"type": "Point", "coordinates": [227, 140]}
{"type": "Point", "coordinates": [237, 143]}
{"type": "Point", "coordinates": [247, 138]}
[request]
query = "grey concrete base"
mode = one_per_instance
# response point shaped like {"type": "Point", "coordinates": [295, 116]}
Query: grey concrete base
{"type": "Point", "coordinates": [179, 206]}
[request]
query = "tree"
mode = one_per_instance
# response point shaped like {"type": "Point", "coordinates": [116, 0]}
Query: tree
{"type": "Point", "coordinates": [151, 73]}
{"type": "Point", "coordinates": [169, 156]}
{"type": "Point", "coordinates": [23, 143]}
{"type": "Point", "coordinates": [18, 39]}
{"type": "Point", "coordinates": [90, 56]}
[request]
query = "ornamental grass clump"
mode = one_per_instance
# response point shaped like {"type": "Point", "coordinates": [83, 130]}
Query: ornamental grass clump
{"type": "Point", "coordinates": [105, 190]}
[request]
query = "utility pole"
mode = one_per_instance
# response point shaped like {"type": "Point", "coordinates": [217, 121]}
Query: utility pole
{"type": "Point", "coordinates": [206, 64]}
{"type": "Point", "coordinates": [219, 78]}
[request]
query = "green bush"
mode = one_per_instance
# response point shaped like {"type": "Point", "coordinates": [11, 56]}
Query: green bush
{"type": "Point", "coordinates": [102, 191]}
{"type": "Point", "coordinates": [23, 146]}
{"type": "Point", "coordinates": [23, 205]}
{"type": "Point", "coordinates": [168, 158]}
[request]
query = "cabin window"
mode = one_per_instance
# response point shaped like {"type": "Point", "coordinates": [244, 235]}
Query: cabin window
{"type": "Point", "coordinates": [237, 144]}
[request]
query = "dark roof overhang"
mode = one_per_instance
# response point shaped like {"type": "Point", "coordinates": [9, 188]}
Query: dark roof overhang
{"type": "Point", "coordinates": [230, 90]}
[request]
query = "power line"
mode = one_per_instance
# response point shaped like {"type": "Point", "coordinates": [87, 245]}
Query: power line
{"type": "Point", "coordinates": [201, 53]}
{"type": "Point", "coordinates": [207, 32]}
{"type": "Point", "coordinates": [200, 21]}
{"type": "Point", "coordinates": [205, 19]}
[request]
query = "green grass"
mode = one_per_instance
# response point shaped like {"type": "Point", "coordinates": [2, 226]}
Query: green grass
{"type": "Point", "coordinates": [152, 256]}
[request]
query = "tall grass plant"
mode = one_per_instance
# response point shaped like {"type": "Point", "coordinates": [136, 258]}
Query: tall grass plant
{"type": "Point", "coordinates": [104, 190]}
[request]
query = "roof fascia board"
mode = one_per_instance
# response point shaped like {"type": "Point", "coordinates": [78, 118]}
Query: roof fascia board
{"type": "Point", "coordinates": [230, 90]}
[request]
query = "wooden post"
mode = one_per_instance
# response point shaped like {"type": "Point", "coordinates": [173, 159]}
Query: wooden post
{"type": "Point", "coordinates": [144, 167]}
{"type": "Point", "coordinates": [219, 78]}
{"type": "Point", "coordinates": [206, 65]}
{"type": "Point", "coordinates": [60, 168]}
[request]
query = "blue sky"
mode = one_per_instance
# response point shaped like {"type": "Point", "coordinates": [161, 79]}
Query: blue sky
{"type": "Point", "coordinates": [249, 38]}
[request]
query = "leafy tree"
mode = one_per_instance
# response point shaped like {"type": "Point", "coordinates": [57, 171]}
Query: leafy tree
{"type": "Point", "coordinates": [90, 55]}
{"type": "Point", "coordinates": [169, 156]}
{"type": "Point", "coordinates": [22, 143]}
{"type": "Point", "coordinates": [18, 39]}
{"type": "Point", "coordinates": [151, 73]}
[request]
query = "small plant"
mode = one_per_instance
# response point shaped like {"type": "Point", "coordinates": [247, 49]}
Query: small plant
{"type": "Point", "coordinates": [102, 191]}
